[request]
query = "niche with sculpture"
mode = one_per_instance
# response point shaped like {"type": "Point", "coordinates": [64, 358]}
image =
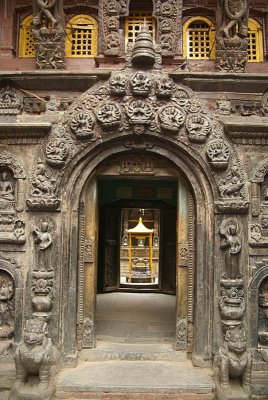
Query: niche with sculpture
{"type": "Point", "coordinates": [12, 228]}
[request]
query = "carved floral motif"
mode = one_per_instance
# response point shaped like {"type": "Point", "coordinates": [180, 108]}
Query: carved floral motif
{"type": "Point", "coordinates": [82, 125]}
{"type": "Point", "coordinates": [171, 118]}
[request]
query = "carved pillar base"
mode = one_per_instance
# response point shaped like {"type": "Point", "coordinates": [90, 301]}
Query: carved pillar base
{"type": "Point", "coordinates": [231, 54]}
{"type": "Point", "coordinates": [234, 391]}
{"type": "Point", "coordinates": [49, 48]}
{"type": "Point", "coordinates": [31, 392]}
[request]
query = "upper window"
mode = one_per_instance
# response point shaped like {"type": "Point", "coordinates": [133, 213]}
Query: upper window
{"type": "Point", "coordinates": [26, 45]}
{"type": "Point", "coordinates": [81, 36]}
{"type": "Point", "coordinates": [199, 39]}
{"type": "Point", "coordinates": [134, 22]}
{"type": "Point", "coordinates": [255, 41]}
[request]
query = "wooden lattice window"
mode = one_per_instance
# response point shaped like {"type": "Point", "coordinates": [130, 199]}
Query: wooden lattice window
{"type": "Point", "coordinates": [199, 39]}
{"type": "Point", "coordinates": [255, 41]}
{"type": "Point", "coordinates": [134, 22]}
{"type": "Point", "coordinates": [81, 36]}
{"type": "Point", "coordinates": [26, 41]}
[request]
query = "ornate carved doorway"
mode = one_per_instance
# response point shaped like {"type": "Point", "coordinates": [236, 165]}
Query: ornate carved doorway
{"type": "Point", "coordinates": [154, 183]}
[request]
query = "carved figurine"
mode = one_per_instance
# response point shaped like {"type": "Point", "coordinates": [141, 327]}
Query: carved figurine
{"type": "Point", "coordinates": [43, 236]}
{"type": "Point", "coordinates": [46, 13]}
{"type": "Point", "coordinates": [52, 105]}
{"type": "Point", "coordinates": [35, 355]}
{"type": "Point", "coordinates": [6, 188]}
{"type": "Point", "coordinates": [6, 295]}
{"type": "Point", "coordinates": [234, 24]}
{"type": "Point", "coordinates": [43, 183]}
{"type": "Point", "coordinates": [19, 231]}
{"type": "Point", "coordinates": [231, 242]}
{"type": "Point", "coordinates": [234, 362]}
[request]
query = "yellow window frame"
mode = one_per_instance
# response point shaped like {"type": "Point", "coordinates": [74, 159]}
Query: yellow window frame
{"type": "Point", "coordinates": [255, 28]}
{"type": "Point", "coordinates": [136, 19]}
{"type": "Point", "coordinates": [26, 36]}
{"type": "Point", "coordinates": [86, 23]}
{"type": "Point", "coordinates": [212, 38]}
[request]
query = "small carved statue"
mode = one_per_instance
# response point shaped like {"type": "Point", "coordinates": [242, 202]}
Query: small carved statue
{"type": "Point", "coordinates": [231, 242]}
{"type": "Point", "coordinates": [45, 15]}
{"type": "Point", "coordinates": [43, 184]}
{"type": "Point", "coordinates": [52, 105]}
{"type": "Point", "coordinates": [43, 236]}
{"type": "Point", "coordinates": [234, 361]}
{"type": "Point", "coordinates": [6, 295]}
{"type": "Point", "coordinates": [35, 356]}
{"type": "Point", "coordinates": [235, 13]}
{"type": "Point", "coordinates": [19, 231]}
{"type": "Point", "coordinates": [6, 188]}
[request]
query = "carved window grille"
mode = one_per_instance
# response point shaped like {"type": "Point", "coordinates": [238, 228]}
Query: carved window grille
{"type": "Point", "coordinates": [26, 41]}
{"type": "Point", "coordinates": [199, 39]}
{"type": "Point", "coordinates": [81, 37]}
{"type": "Point", "coordinates": [135, 21]}
{"type": "Point", "coordinates": [255, 41]}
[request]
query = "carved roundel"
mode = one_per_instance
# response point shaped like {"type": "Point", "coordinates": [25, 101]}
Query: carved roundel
{"type": "Point", "coordinates": [109, 115]}
{"type": "Point", "coordinates": [141, 84]}
{"type": "Point", "coordinates": [56, 153]}
{"type": "Point", "coordinates": [171, 118]}
{"type": "Point", "coordinates": [112, 8]}
{"type": "Point", "coordinates": [218, 154]}
{"type": "Point", "coordinates": [167, 9]}
{"type": "Point", "coordinates": [118, 85]}
{"type": "Point", "coordinates": [198, 127]}
{"type": "Point", "coordinates": [82, 125]}
{"type": "Point", "coordinates": [139, 112]}
{"type": "Point", "coordinates": [166, 25]}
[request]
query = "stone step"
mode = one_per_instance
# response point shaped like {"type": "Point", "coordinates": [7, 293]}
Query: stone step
{"type": "Point", "coordinates": [133, 352]}
{"type": "Point", "coordinates": [139, 380]}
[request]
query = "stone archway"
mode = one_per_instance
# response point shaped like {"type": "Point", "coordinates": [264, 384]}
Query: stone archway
{"type": "Point", "coordinates": [139, 109]}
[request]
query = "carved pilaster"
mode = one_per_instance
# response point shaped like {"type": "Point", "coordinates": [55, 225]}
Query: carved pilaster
{"type": "Point", "coordinates": [169, 25]}
{"type": "Point", "coordinates": [232, 30]}
{"type": "Point", "coordinates": [49, 35]}
{"type": "Point", "coordinates": [111, 42]}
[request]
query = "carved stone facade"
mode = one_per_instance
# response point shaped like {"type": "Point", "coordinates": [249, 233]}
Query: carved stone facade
{"type": "Point", "coordinates": [62, 133]}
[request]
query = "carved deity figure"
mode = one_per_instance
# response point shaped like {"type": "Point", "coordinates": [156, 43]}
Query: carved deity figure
{"type": "Point", "coordinates": [43, 183]}
{"type": "Point", "coordinates": [43, 236]}
{"type": "Point", "coordinates": [235, 18]}
{"type": "Point", "coordinates": [234, 361]}
{"type": "Point", "coordinates": [52, 105]}
{"type": "Point", "coordinates": [19, 231]}
{"type": "Point", "coordinates": [46, 13]}
{"type": "Point", "coordinates": [231, 243]}
{"type": "Point", "coordinates": [35, 356]}
{"type": "Point", "coordinates": [6, 188]}
{"type": "Point", "coordinates": [6, 295]}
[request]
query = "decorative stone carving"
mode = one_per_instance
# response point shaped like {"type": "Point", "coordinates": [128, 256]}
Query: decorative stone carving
{"type": "Point", "coordinates": [109, 13]}
{"type": "Point", "coordinates": [164, 87]}
{"type": "Point", "coordinates": [168, 14]}
{"type": "Point", "coordinates": [137, 166]}
{"type": "Point", "coordinates": [118, 85]}
{"type": "Point", "coordinates": [7, 306]}
{"type": "Point", "coordinates": [255, 232]}
{"type": "Point", "coordinates": [109, 115]}
{"type": "Point", "coordinates": [171, 118]}
{"type": "Point", "coordinates": [231, 244]}
{"type": "Point", "coordinates": [6, 189]}
{"type": "Point", "coordinates": [234, 361]}
{"type": "Point", "coordinates": [218, 154]}
{"type": "Point", "coordinates": [89, 251]}
{"type": "Point", "coordinates": [43, 190]}
{"type": "Point", "coordinates": [264, 103]}
{"type": "Point", "coordinates": [231, 186]}
{"type": "Point", "coordinates": [141, 84]}
{"type": "Point", "coordinates": [57, 152]}
{"type": "Point", "coordinates": [232, 39]}
{"type": "Point", "coordinates": [224, 105]}
{"type": "Point", "coordinates": [42, 294]}
{"type": "Point", "coordinates": [198, 127]}
{"type": "Point", "coordinates": [263, 313]}
{"type": "Point", "coordinates": [181, 335]}
{"type": "Point", "coordinates": [11, 101]}
{"type": "Point", "coordinates": [49, 35]}
{"type": "Point", "coordinates": [183, 253]}
{"type": "Point", "coordinates": [139, 113]}
{"type": "Point", "coordinates": [87, 341]}
{"type": "Point", "coordinates": [53, 105]}
{"type": "Point", "coordinates": [35, 355]}
{"type": "Point", "coordinates": [43, 236]}
{"type": "Point", "coordinates": [82, 125]}
{"type": "Point", "coordinates": [231, 303]}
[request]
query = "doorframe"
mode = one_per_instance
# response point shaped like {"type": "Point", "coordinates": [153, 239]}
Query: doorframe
{"type": "Point", "coordinates": [203, 199]}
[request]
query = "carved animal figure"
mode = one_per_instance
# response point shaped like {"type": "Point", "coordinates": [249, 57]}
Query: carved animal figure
{"type": "Point", "coordinates": [233, 360]}
{"type": "Point", "coordinates": [36, 354]}
{"type": "Point", "coordinates": [44, 7]}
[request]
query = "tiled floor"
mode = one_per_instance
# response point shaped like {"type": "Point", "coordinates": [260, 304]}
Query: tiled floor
{"type": "Point", "coordinates": [135, 317]}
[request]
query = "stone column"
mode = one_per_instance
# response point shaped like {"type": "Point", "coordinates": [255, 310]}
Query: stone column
{"type": "Point", "coordinates": [49, 34]}
{"type": "Point", "coordinates": [232, 31]}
